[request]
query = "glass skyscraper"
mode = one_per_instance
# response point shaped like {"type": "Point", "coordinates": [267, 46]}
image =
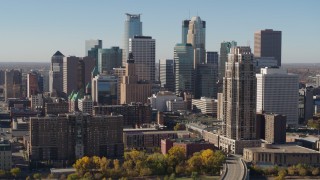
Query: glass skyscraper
{"type": "Point", "coordinates": [109, 59]}
{"type": "Point", "coordinates": [132, 27]}
{"type": "Point", "coordinates": [184, 72]}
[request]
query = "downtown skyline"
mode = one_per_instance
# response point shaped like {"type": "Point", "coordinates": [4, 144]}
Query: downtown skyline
{"type": "Point", "coordinates": [65, 26]}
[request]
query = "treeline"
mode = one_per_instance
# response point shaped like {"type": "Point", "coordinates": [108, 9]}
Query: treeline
{"type": "Point", "coordinates": [282, 172]}
{"type": "Point", "coordinates": [139, 164]}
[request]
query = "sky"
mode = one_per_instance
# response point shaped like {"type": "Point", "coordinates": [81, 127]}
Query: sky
{"type": "Point", "coordinates": [32, 31]}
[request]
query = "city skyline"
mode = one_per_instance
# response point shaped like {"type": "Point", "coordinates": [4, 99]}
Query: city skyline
{"type": "Point", "coordinates": [51, 30]}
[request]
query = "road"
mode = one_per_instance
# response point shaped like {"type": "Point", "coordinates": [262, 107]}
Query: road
{"type": "Point", "coordinates": [235, 168]}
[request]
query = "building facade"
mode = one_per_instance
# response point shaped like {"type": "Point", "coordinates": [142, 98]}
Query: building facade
{"type": "Point", "coordinates": [144, 50]}
{"type": "Point", "coordinates": [278, 92]}
{"type": "Point", "coordinates": [56, 74]}
{"type": "Point", "coordinates": [267, 43]}
{"type": "Point", "coordinates": [12, 84]}
{"type": "Point", "coordinates": [275, 128]}
{"type": "Point", "coordinates": [133, 89]}
{"type": "Point", "coordinates": [132, 27]}
{"type": "Point", "coordinates": [183, 68]}
{"type": "Point", "coordinates": [105, 89]}
{"type": "Point", "coordinates": [166, 73]}
{"type": "Point", "coordinates": [109, 59]}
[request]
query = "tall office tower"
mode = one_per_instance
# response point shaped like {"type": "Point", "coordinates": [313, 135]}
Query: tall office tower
{"type": "Point", "coordinates": [12, 84]}
{"type": "Point", "coordinates": [278, 92]}
{"type": "Point", "coordinates": [56, 73]}
{"type": "Point", "coordinates": [185, 28]}
{"type": "Point", "coordinates": [239, 93]}
{"type": "Point", "coordinates": [2, 77]}
{"type": "Point", "coordinates": [76, 73]}
{"type": "Point", "coordinates": [166, 72]}
{"type": "Point", "coordinates": [144, 50]}
{"type": "Point", "coordinates": [206, 78]}
{"type": "Point", "coordinates": [197, 37]}
{"type": "Point", "coordinates": [33, 83]}
{"type": "Point", "coordinates": [225, 49]}
{"type": "Point", "coordinates": [79, 135]}
{"type": "Point", "coordinates": [104, 90]}
{"type": "Point", "coordinates": [133, 90]}
{"type": "Point", "coordinates": [45, 76]}
{"type": "Point", "coordinates": [92, 49]}
{"type": "Point", "coordinates": [212, 58]}
{"type": "Point", "coordinates": [183, 68]}
{"type": "Point", "coordinates": [119, 73]}
{"type": "Point", "coordinates": [307, 101]}
{"type": "Point", "coordinates": [267, 43]}
{"type": "Point", "coordinates": [132, 27]}
{"type": "Point", "coordinates": [109, 59]}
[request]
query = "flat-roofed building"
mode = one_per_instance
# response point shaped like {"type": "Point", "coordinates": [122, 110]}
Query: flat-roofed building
{"type": "Point", "coordinates": [205, 105]}
{"type": "Point", "coordinates": [5, 155]}
{"type": "Point", "coordinates": [282, 155]}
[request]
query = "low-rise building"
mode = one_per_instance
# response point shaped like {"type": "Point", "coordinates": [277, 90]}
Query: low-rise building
{"type": "Point", "coordinates": [281, 155]}
{"type": "Point", "coordinates": [176, 105]}
{"type": "Point", "coordinates": [146, 138]}
{"type": "Point", "coordinates": [190, 145]}
{"type": "Point", "coordinates": [158, 101]}
{"type": "Point", "coordinates": [205, 106]}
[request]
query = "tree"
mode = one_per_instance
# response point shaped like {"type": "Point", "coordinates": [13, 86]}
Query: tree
{"type": "Point", "coordinates": [179, 127]}
{"type": "Point", "coordinates": [2, 173]}
{"type": "Point", "coordinates": [281, 174]}
{"type": "Point", "coordinates": [315, 171]}
{"type": "Point", "coordinates": [36, 176]}
{"type": "Point", "coordinates": [15, 171]}
{"type": "Point", "coordinates": [175, 156]}
{"type": "Point", "coordinates": [195, 163]}
{"type": "Point", "coordinates": [73, 176]}
{"type": "Point", "coordinates": [157, 163]}
{"type": "Point", "coordinates": [105, 166]}
{"type": "Point", "coordinates": [302, 171]}
{"type": "Point", "coordinates": [291, 170]}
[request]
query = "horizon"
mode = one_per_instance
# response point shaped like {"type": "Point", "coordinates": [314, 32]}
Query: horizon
{"type": "Point", "coordinates": [70, 24]}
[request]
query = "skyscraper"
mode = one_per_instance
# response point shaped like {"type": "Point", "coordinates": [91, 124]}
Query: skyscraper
{"type": "Point", "coordinates": [206, 78]}
{"type": "Point", "coordinates": [12, 84]}
{"type": "Point", "coordinates": [239, 93]}
{"type": "Point", "coordinates": [197, 37]}
{"type": "Point", "coordinates": [166, 68]}
{"type": "Point", "coordinates": [183, 68]}
{"type": "Point", "coordinates": [109, 59]}
{"type": "Point", "coordinates": [132, 27]}
{"type": "Point", "coordinates": [56, 73]}
{"type": "Point", "coordinates": [225, 49]}
{"type": "Point", "coordinates": [278, 92]}
{"type": "Point", "coordinates": [144, 50]}
{"type": "Point", "coordinates": [133, 90]}
{"type": "Point", "coordinates": [267, 43]}
{"type": "Point", "coordinates": [34, 83]}
{"type": "Point", "coordinates": [91, 45]}
{"type": "Point", "coordinates": [185, 28]}
{"type": "Point", "coordinates": [212, 58]}
{"type": "Point", "coordinates": [76, 73]}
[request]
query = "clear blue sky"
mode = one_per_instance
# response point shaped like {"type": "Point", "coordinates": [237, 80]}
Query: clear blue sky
{"type": "Point", "coordinates": [33, 30]}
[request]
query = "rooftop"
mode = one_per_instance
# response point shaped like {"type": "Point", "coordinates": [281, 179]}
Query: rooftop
{"type": "Point", "coordinates": [284, 148]}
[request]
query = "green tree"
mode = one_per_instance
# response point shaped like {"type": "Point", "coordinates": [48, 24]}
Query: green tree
{"type": "Point", "coordinates": [15, 172]}
{"type": "Point", "coordinates": [36, 176]}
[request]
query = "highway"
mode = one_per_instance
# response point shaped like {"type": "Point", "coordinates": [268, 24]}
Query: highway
{"type": "Point", "coordinates": [235, 169]}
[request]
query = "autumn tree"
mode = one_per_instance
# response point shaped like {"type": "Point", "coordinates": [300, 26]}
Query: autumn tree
{"type": "Point", "coordinates": [157, 163]}
{"type": "Point", "coordinates": [15, 171]}
{"type": "Point", "coordinates": [176, 156]}
{"type": "Point", "coordinates": [2, 173]}
{"type": "Point", "coordinates": [195, 163]}
{"type": "Point", "coordinates": [36, 176]}
{"type": "Point", "coordinates": [179, 127]}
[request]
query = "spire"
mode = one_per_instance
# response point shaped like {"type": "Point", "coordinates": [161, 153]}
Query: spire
{"type": "Point", "coordinates": [58, 53]}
